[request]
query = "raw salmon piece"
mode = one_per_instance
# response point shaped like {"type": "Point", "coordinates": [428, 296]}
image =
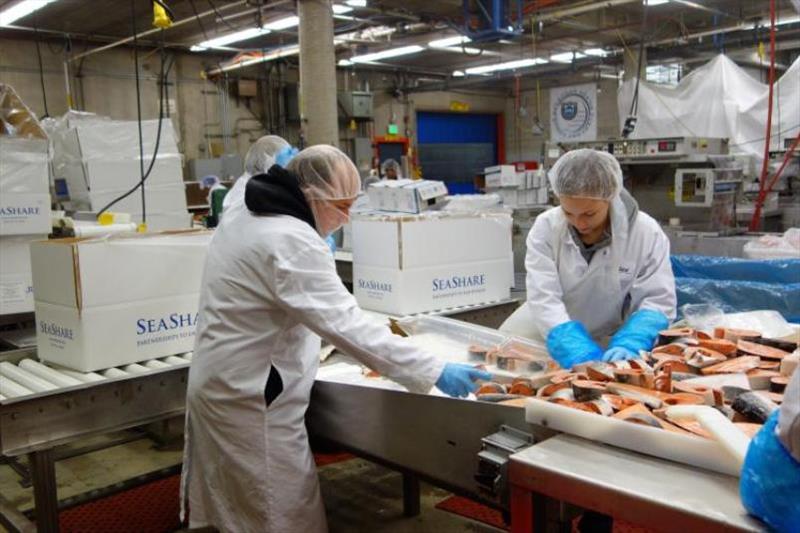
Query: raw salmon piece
{"type": "Point", "coordinates": [767, 352]}
{"type": "Point", "coordinates": [733, 366]}
{"type": "Point", "coordinates": [722, 346]}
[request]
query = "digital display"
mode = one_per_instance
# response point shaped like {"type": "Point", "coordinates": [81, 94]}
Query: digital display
{"type": "Point", "coordinates": [666, 146]}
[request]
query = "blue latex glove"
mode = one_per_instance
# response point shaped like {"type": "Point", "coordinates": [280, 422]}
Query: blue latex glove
{"type": "Point", "coordinates": [286, 154]}
{"type": "Point", "coordinates": [331, 242]}
{"type": "Point", "coordinates": [639, 332]}
{"type": "Point", "coordinates": [570, 344]}
{"type": "Point", "coordinates": [458, 380]}
{"type": "Point", "coordinates": [770, 481]}
{"type": "Point", "coordinates": [619, 354]}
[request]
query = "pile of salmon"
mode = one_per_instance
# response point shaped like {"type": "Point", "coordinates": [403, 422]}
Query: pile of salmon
{"type": "Point", "coordinates": [739, 372]}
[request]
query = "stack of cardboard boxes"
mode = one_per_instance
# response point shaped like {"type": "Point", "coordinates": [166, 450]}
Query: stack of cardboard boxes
{"type": "Point", "coordinates": [99, 160]}
{"type": "Point", "coordinates": [24, 199]}
{"type": "Point", "coordinates": [517, 187]}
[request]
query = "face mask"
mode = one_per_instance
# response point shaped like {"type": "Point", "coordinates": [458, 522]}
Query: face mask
{"type": "Point", "coordinates": [328, 217]}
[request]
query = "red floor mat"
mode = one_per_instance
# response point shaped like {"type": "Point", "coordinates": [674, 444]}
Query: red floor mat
{"type": "Point", "coordinates": [149, 508]}
{"type": "Point", "coordinates": [473, 510]}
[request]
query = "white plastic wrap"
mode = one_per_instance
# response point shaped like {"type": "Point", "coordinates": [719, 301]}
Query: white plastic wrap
{"type": "Point", "coordinates": [719, 99]}
{"type": "Point", "coordinates": [705, 317]}
{"type": "Point", "coordinates": [786, 246]}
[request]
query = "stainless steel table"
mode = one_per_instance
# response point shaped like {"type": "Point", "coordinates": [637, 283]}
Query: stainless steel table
{"type": "Point", "coordinates": [655, 493]}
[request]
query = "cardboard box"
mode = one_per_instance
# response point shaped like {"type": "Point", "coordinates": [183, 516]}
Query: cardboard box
{"type": "Point", "coordinates": [413, 264]}
{"type": "Point", "coordinates": [16, 285]}
{"type": "Point", "coordinates": [501, 176]}
{"type": "Point", "coordinates": [24, 166]}
{"type": "Point", "coordinates": [115, 139]}
{"type": "Point", "coordinates": [24, 214]}
{"type": "Point", "coordinates": [167, 221]}
{"type": "Point", "coordinates": [406, 196]}
{"type": "Point", "coordinates": [159, 199]}
{"type": "Point", "coordinates": [99, 175]}
{"type": "Point", "coordinates": [103, 302]}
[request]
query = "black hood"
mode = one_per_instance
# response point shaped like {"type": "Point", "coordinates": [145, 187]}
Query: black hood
{"type": "Point", "coordinates": [277, 193]}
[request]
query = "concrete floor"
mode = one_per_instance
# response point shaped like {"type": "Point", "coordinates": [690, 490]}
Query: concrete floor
{"type": "Point", "coordinates": [358, 495]}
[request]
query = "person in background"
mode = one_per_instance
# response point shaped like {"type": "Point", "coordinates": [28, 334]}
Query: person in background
{"type": "Point", "coordinates": [269, 292]}
{"type": "Point", "coordinates": [261, 155]}
{"type": "Point", "coordinates": [596, 267]}
{"type": "Point", "coordinates": [390, 170]}
{"type": "Point", "coordinates": [770, 480]}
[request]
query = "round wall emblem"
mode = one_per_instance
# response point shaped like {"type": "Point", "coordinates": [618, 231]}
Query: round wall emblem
{"type": "Point", "coordinates": [572, 113]}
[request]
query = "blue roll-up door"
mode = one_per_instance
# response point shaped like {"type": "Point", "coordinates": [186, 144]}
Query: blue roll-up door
{"type": "Point", "coordinates": [454, 147]}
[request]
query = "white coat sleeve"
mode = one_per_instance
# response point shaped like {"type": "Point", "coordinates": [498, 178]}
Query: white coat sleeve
{"type": "Point", "coordinates": [654, 286]}
{"type": "Point", "coordinates": [545, 296]}
{"type": "Point", "coordinates": [309, 288]}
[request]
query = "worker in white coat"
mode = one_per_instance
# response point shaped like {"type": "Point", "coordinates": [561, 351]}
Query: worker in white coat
{"type": "Point", "coordinates": [260, 157]}
{"type": "Point", "coordinates": [596, 267]}
{"type": "Point", "coordinates": [270, 291]}
{"type": "Point", "coordinates": [390, 170]}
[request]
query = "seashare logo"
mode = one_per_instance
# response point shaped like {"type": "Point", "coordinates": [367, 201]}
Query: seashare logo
{"type": "Point", "coordinates": [372, 285]}
{"type": "Point", "coordinates": [458, 282]}
{"type": "Point", "coordinates": [167, 323]}
{"type": "Point", "coordinates": [19, 211]}
{"type": "Point", "coordinates": [52, 329]}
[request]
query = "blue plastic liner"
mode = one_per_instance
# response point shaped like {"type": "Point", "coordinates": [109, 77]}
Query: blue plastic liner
{"type": "Point", "coordinates": [737, 285]}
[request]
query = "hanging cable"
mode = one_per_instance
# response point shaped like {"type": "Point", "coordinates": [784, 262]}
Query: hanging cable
{"type": "Point", "coordinates": [146, 174]}
{"type": "Point", "coordinates": [41, 71]}
{"type": "Point", "coordinates": [755, 222]}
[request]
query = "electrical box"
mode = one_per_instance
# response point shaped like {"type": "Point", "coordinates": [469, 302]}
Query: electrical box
{"type": "Point", "coordinates": [356, 104]}
{"type": "Point", "coordinates": [247, 88]}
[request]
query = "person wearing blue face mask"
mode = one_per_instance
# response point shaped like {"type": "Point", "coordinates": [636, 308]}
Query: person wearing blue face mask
{"type": "Point", "coordinates": [270, 292]}
{"type": "Point", "coordinates": [597, 267]}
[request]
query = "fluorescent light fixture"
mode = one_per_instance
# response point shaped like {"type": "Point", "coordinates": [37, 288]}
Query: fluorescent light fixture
{"type": "Point", "coordinates": [449, 41]}
{"type": "Point", "coordinates": [383, 54]}
{"type": "Point", "coordinates": [508, 65]}
{"type": "Point", "coordinates": [283, 51]}
{"type": "Point", "coordinates": [220, 42]}
{"type": "Point", "coordinates": [15, 11]}
{"type": "Point", "coordinates": [356, 3]}
{"type": "Point", "coordinates": [282, 24]}
{"type": "Point", "coordinates": [596, 52]}
{"type": "Point", "coordinates": [656, 2]}
{"type": "Point", "coordinates": [341, 10]}
{"type": "Point", "coordinates": [566, 57]}
{"type": "Point", "coordinates": [458, 73]}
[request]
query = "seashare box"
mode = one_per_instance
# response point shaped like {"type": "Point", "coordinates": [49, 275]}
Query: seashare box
{"type": "Point", "coordinates": [405, 264]}
{"type": "Point", "coordinates": [111, 301]}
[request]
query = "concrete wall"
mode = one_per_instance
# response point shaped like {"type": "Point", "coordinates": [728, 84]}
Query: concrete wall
{"type": "Point", "coordinates": [106, 86]}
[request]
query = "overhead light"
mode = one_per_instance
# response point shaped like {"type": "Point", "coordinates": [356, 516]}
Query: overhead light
{"type": "Point", "coordinates": [566, 57]}
{"type": "Point", "coordinates": [341, 10]}
{"type": "Point", "coordinates": [656, 2]}
{"type": "Point", "coordinates": [596, 52]}
{"type": "Point", "coordinates": [449, 41]}
{"type": "Point", "coordinates": [458, 73]}
{"type": "Point", "coordinates": [383, 54]}
{"type": "Point", "coordinates": [15, 11]}
{"type": "Point", "coordinates": [356, 3]}
{"type": "Point", "coordinates": [508, 65]}
{"type": "Point", "coordinates": [220, 42]}
{"type": "Point", "coordinates": [276, 53]}
{"type": "Point", "coordinates": [282, 24]}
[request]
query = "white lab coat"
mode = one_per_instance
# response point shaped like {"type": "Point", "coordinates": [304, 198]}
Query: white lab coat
{"type": "Point", "coordinates": [235, 196]}
{"type": "Point", "coordinates": [270, 290]}
{"type": "Point", "coordinates": [632, 273]}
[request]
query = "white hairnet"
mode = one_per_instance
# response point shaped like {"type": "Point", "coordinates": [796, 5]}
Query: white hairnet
{"type": "Point", "coordinates": [262, 154]}
{"type": "Point", "coordinates": [586, 173]}
{"type": "Point", "coordinates": [390, 163]}
{"type": "Point", "coordinates": [326, 173]}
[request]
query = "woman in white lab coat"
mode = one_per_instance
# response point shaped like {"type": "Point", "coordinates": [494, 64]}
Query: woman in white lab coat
{"type": "Point", "coordinates": [270, 291]}
{"type": "Point", "coordinates": [596, 267]}
{"type": "Point", "coordinates": [260, 157]}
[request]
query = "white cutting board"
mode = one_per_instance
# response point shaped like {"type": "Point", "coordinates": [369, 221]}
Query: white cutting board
{"type": "Point", "coordinates": [688, 449]}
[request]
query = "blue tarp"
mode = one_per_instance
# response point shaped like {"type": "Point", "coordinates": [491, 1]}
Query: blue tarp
{"type": "Point", "coordinates": [736, 285]}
